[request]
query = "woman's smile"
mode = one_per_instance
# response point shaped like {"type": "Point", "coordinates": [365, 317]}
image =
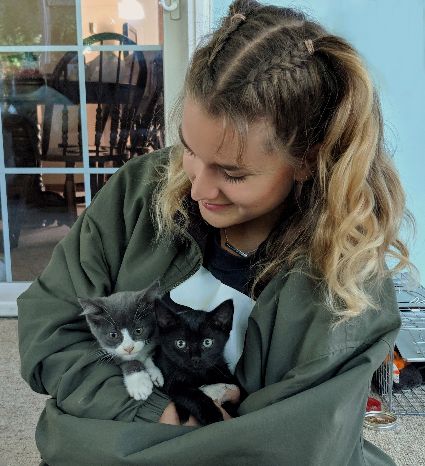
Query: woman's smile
{"type": "Point", "coordinates": [214, 207]}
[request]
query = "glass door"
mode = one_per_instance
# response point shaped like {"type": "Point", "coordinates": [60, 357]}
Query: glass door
{"type": "Point", "coordinates": [84, 87]}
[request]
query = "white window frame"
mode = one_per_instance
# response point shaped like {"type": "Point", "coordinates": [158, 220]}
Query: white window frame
{"type": "Point", "coordinates": [195, 17]}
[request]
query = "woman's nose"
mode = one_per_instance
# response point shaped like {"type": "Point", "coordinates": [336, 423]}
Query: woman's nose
{"type": "Point", "coordinates": [204, 187]}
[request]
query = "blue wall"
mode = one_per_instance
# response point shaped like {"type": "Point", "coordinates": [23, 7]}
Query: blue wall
{"type": "Point", "coordinates": [390, 35]}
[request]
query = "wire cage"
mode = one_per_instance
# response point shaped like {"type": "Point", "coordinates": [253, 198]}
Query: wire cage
{"type": "Point", "coordinates": [383, 381]}
{"type": "Point", "coordinates": [411, 345]}
{"type": "Point", "coordinates": [398, 401]}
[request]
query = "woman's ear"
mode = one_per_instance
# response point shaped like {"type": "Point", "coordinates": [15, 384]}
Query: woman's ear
{"type": "Point", "coordinates": [308, 164]}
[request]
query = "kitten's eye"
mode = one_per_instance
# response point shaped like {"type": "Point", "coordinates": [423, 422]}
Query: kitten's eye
{"type": "Point", "coordinates": [181, 344]}
{"type": "Point", "coordinates": [208, 342]}
{"type": "Point", "coordinates": [138, 331]}
{"type": "Point", "coordinates": [113, 334]}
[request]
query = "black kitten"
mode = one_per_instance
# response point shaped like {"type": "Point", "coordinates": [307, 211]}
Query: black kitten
{"type": "Point", "coordinates": [190, 355]}
{"type": "Point", "coordinates": [124, 326]}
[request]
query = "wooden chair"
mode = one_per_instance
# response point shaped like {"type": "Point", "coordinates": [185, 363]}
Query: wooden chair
{"type": "Point", "coordinates": [148, 132]}
{"type": "Point", "coordinates": [117, 92]}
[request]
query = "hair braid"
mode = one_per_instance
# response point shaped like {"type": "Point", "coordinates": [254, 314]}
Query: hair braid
{"type": "Point", "coordinates": [221, 40]}
{"type": "Point", "coordinates": [239, 11]}
{"type": "Point", "coordinates": [289, 63]}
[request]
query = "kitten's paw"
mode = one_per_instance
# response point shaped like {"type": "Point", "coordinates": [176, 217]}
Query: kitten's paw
{"type": "Point", "coordinates": [221, 392]}
{"type": "Point", "coordinates": [139, 385]}
{"type": "Point", "coordinates": [156, 376]}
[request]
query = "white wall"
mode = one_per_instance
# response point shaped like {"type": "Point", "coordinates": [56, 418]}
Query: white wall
{"type": "Point", "coordinates": [390, 35]}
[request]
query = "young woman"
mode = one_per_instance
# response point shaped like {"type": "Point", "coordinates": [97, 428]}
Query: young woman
{"type": "Point", "coordinates": [280, 196]}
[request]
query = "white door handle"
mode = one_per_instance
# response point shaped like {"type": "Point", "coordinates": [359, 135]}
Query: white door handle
{"type": "Point", "coordinates": [172, 7]}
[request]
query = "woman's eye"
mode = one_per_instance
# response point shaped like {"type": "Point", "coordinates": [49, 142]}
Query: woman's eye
{"type": "Point", "coordinates": [234, 179]}
{"type": "Point", "coordinates": [181, 344]}
{"type": "Point", "coordinates": [208, 342]}
{"type": "Point", "coordinates": [113, 335]}
{"type": "Point", "coordinates": [138, 331]}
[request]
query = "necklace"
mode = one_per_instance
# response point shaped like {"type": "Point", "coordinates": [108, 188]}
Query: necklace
{"type": "Point", "coordinates": [235, 249]}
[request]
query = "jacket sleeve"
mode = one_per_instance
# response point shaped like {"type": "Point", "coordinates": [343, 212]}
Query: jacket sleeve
{"type": "Point", "coordinates": [308, 392]}
{"type": "Point", "coordinates": [58, 353]}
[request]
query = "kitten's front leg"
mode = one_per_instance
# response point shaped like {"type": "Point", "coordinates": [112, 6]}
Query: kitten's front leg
{"type": "Point", "coordinates": [155, 374]}
{"type": "Point", "coordinates": [192, 401]}
{"type": "Point", "coordinates": [137, 380]}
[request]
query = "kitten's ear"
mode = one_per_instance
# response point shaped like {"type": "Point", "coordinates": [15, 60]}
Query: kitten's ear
{"type": "Point", "coordinates": [222, 315]}
{"type": "Point", "coordinates": [91, 308]}
{"type": "Point", "coordinates": [165, 317]}
{"type": "Point", "coordinates": [151, 293]}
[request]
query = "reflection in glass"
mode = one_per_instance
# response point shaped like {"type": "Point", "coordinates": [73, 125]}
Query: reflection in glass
{"type": "Point", "coordinates": [139, 20]}
{"type": "Point", "coordinates": [125, 110]}
{"type": "Point", "coordinates": [45, 22]}
{"type": "Point", "coordinates": [40, 115]}
{"type": "Point", "coordinates": [40, 215]}
{"type": "Point", "coordinates": [98, 181]}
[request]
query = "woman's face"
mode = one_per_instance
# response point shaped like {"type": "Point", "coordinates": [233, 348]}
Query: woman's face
{"type": "Point", "coordinates": [228, 192]}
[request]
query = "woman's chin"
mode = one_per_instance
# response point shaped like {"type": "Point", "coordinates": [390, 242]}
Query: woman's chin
{"type": "Point", "coordinates": [218, 218]}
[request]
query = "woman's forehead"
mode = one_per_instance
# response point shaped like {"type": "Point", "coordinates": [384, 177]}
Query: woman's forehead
{"type": "Point", "coordinates": [206, 135]}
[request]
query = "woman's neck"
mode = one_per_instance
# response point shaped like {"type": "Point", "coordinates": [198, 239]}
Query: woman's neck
{"type": "Point", "coordinates": [249, 235]}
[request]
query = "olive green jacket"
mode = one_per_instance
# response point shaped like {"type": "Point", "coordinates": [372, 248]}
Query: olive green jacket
{"type": "Point", "coordinates": [307, 384]}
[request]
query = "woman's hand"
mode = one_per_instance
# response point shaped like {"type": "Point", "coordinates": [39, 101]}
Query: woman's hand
{"type": "Point", "coordinates": [219, 393]}
{"type": "Point", "coordinates": [170, 416]}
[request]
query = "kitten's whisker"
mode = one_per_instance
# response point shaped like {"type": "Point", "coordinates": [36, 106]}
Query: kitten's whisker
{"type": "Point", "coordinates": [112, 321]}
{"type": "Point", "coordinates": [97, 352]}
{"type": "Point", "coordinates": [106, 357]}
{"type": "Point", "coordinates": [139, 312]}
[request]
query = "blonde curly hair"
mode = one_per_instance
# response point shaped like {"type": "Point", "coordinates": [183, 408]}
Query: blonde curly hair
{"type": "Point", "coordinates": [277, 64]}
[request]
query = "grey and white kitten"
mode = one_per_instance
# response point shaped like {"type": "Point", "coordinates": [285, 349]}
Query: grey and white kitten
{"type": "Point", "coordinates": [125, 327]}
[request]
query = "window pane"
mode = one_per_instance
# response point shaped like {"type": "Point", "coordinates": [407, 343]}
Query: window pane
{"type": "Point", "coordinates": [32, 22]}
{"type": "Point", "coordinates": [139, 20]}
{"type": "Point", "coordinates": [42, 208]}
{"type": "Point", "coordinates": [40, 108]}
{"type": "Point", "coordinates": [125, 110]}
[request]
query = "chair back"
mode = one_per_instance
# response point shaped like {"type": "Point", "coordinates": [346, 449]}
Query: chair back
{"type": "Point", "coordinates": [115, 85]}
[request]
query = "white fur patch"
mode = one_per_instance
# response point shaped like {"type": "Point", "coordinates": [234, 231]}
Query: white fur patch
{"type": "Point", "coordinates": [139, 385]}
{"type": "Point", "coordinates": [128, 342]}
{"type": "Point", "coordinates": [156, 376]}
{"type": "Point", "coordinates": [217, 391]}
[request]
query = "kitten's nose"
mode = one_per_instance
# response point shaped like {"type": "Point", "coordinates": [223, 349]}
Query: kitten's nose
{"type": "Point", "coordinates": [129, 349]}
